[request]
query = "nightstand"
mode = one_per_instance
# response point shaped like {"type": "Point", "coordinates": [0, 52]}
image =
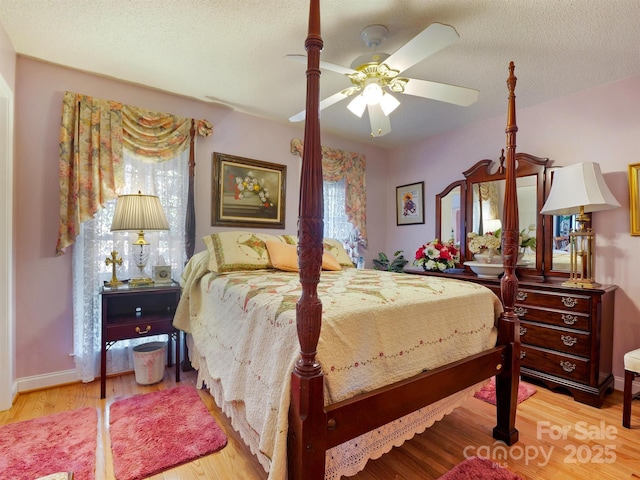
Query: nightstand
{"type": "Point", "coordinates": [138, 312]}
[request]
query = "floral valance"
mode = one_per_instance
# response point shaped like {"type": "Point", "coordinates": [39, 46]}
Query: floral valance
{"type": "Point", "coordinates": [350, 166]}
{"type": "Point", "coordinates": [93, 133]}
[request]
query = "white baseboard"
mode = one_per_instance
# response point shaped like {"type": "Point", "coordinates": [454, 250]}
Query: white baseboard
{"type": "Point", "coordinates": [54, 379]}
{"type": "Point", "coordinates": [618, 384]}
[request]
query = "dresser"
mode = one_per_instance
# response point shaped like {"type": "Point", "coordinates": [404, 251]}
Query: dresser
{"type": "Point", "coordinates": [566, 334]}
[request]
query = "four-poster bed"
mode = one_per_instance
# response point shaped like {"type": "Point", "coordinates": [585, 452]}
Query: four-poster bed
{"type": "Point", "coordinates": [325, 405]}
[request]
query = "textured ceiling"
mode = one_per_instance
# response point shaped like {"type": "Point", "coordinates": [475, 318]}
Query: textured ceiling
{"type": "Point", "coordinates": [233, 52]}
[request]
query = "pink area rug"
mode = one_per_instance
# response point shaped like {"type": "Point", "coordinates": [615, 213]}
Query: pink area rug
{"type": "Point", "coordinates": [160, 430]}
{"type": "Point", "coordinates": [62, 442]}
{"type": "Point", "coordinates": [488, 392]}
{"type": "Point", "coordinates": [475, 468]}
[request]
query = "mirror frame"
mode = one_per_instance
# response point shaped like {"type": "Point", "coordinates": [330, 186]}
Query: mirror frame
{"type": "Point", "coordinates": [463, 191]}
{"type": "Point", "coordinates": [526, 165]}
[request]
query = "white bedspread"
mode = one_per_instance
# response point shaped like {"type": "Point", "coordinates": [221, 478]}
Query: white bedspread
{"type": "Point", "coordinates": [378, 328]}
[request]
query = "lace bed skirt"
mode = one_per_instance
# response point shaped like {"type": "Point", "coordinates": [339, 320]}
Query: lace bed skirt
{"type": "Point", "coordinates": [350, 457]}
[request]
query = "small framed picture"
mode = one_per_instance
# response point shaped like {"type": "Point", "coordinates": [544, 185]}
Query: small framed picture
{"type": "Point", "coordinates": [410, 204]}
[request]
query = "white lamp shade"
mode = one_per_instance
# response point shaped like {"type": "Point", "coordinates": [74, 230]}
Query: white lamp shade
{"type": "Point", "coordinates": [139, 212]}
{"type": "Point", "coordinates": [579, 185]}
{"type": "Point", "coordinates": [357, 105]}
{"type": "Point", "coordinates": [388, 103]}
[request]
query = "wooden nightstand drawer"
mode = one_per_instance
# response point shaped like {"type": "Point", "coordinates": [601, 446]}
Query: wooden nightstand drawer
{"type": "Point", "coordinates": [565, 341]}
{"type": "Point", "coordinates": [559, 301]}
{"type": "Point", "coordinates": [577, 321]}
{"type": "Point", "coordinates": [567, 366]}
{"type": "Point", "coordinates": [141, 328]}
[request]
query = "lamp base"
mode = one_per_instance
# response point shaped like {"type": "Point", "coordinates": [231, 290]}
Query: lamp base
{"type": "Point", "coordinates": [581, 284]}
{"type": "Point", "coordinates": [141, 282]}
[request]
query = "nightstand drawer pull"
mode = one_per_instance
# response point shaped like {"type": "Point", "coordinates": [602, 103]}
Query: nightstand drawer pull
{"type": "Point", "coordinates": [569, 302]}
{"type": "Point", "coordinates": [522, 354]}
{"type": "Point", "coordinates": [521, 296]}
{"type": "Point", "coordinates": [569, 319]}
{"type": "Point", "coordinates": [520, 311]}
{"type": "Point", "coordinates": [568, 341]}
{"type": "Point", "coordinates": [567, 366]}
{"type": "Point", "coordinates": [139, 331]}
{"type": "Point", "coordinates": [523, 330]}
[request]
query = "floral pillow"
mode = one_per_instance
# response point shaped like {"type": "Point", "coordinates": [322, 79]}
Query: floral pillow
{"type": "Point", "coordinates": [336, 248]}
{"type": "Point", "coordinates": [235, 250]}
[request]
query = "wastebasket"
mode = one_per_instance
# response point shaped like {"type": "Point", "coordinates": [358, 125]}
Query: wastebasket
{"type": "Point", "coordinates": [149, 362]}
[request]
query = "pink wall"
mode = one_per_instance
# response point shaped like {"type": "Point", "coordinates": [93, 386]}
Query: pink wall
{"type": "Point", "coordinates": [43, 284]}
{"type": "Point", "coordinates": [600, 125]}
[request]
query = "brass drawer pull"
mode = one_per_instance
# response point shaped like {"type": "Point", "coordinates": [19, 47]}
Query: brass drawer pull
{"type": "Point", "coordinates": [567, 366]}
{"type": "Point", "coordinates": [568, 341]}
{"type": "Point", "coordinates": [523, 330]}
{"type": "Point", "coordinates": [521, 296]}
{"type": "Point", "coordinates": [569, 302]}
{"type": "Point", "coordinates": [522, 354]}
{"type": "Point", "coordinates": [520, 311]}
{"type": "Point", "coordinates": [569, 319]}
{"type": "Point", "coordinates": [139, 331]}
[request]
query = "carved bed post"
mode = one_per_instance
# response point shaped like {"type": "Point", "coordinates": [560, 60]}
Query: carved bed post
{"type": "Point", "coordinates": [509, 323]}
{"type": "Point", "coordinates": [306, 441]}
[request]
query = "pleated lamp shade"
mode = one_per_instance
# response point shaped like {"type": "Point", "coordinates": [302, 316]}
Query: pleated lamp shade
{"type": "Point", "coordinates": [138, 212]}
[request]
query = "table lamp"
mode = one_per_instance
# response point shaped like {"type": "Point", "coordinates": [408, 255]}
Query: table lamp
{"type": "Point", "coordinates": [138, 212]}
{"type": "Point", "coordinates": [579, 189]}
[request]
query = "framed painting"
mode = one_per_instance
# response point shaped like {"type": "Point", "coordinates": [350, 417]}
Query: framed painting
{"type": "Point", "coordinates": [410, 204]}
{"type": "Point", "coordinates": [247, 192]}
{"type": "Point", "coordinates": [634, 198]}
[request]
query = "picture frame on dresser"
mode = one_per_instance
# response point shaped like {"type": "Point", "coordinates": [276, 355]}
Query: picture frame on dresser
{"type": "Point", "coordinates": [247, 192]}
{"type": "Point", "coordinates": [634, 198]}
{"type": "Point", "coordinates": [410, 204]}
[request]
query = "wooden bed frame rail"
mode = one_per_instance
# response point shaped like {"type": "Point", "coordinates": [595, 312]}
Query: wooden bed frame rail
{"type": "Point", "coordinates": [314, 428]}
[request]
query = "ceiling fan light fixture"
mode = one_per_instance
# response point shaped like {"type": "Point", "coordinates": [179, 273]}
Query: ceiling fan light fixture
{"type": "Point", "coordinates": [357, 105]}
{"type": "Point", "coordinates": [388, 103]}
{"type": "Point", "coordinates": [372, 93]}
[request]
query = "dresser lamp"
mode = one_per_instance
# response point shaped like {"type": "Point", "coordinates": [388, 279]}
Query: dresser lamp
{"type": "Point", "coordinates": [139, 213]}
{"type": "Point", "coordinates": [579, 189]}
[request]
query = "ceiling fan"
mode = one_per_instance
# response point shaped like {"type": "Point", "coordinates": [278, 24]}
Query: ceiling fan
{"type": "Point", "coordinates": [375, 76]}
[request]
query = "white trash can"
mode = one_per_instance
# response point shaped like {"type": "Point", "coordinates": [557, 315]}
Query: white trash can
{"type": "Point", "coordinates": [149, 361]}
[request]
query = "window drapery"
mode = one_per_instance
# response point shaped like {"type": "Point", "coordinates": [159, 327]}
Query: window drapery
{"type": "Point", "coordinates": [95, 138]}
{"type": "Point", "coordinates": [338, 165]}
{"type": "Point", "coordinates": [93, 133]}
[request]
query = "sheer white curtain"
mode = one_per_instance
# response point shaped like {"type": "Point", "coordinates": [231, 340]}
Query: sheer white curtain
{"type": "Point", "coordinates": [169, 180]}
{"type": "Point", "coordinates": [336, 222]}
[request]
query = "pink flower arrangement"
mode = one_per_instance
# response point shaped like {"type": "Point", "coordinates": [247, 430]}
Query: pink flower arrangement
{"type": "Point", "coordinates": [436, 256]}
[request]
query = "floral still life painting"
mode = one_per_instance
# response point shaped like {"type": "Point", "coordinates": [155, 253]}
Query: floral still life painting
{"type": "Point", "coordinates": [436, 256]}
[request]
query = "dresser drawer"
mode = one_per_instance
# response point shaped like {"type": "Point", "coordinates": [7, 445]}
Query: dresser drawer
{"type": "Point", "coordinates": [565, 341]}
{"type": "Point", "coordinates": [571, 303]}
{"type": "Point", "coordinates": [567, 366]}
{"type": "Point", "coordinates": [577, 321]}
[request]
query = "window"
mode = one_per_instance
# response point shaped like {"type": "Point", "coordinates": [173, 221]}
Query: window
{"type": "Point", "coordinates": [169, 180]}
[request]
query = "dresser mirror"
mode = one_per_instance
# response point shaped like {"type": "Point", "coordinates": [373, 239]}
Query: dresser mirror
{"type": "Point", "coordinates": [475, 205]}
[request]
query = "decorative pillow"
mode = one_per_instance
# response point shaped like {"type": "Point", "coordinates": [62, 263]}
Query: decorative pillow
{"type": "Point", "coordinates": [290, 239]}
{"type": "Point", "coordinates": [285, 257]}
{"type": "Point", "coordinates": [336, 248]}
{"type": "Point", "coordinates": [232, 251]}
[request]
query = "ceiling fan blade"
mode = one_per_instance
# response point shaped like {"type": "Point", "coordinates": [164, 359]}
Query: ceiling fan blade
{"type": "Point", "coordinates": [442, 92]}
{"type": "Point", "coordinates": [432, 39]}
{"type": "Point", "coordinates": [380, 123]}
{"type": "Point", "coordinates": [327, 102]}
{"type": "Point", "coordinates": [324, 65]}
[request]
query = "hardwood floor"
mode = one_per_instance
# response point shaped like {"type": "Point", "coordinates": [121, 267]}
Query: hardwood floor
{"type": "Point", "coordinates": [559, 438]}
